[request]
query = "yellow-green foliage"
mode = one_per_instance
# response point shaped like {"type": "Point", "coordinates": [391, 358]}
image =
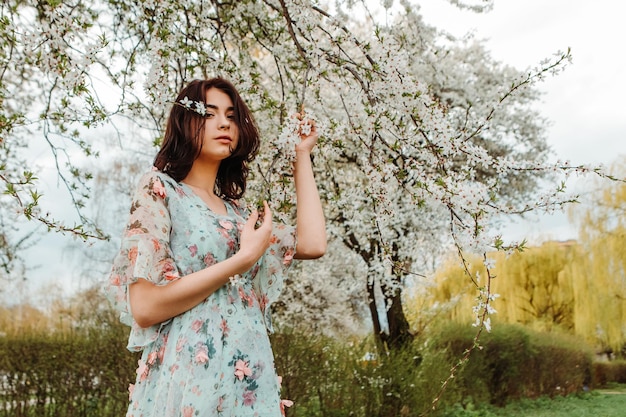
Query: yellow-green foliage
{"type": "Point", "coordinates": [533, 286]}
{"type": "Point", "coordinates": [579, 287]}
{"type": "Point", "coordinates": [602, 269]}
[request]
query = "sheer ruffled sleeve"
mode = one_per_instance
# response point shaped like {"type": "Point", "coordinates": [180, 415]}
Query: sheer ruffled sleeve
{"type": "Point", "coordinates": [145, 253]}
{"type": "Point", "coordinates": [271, 276]}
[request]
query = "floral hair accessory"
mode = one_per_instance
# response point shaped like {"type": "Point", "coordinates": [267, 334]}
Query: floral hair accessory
{"type": "Point", "coordinates": [194, 106]}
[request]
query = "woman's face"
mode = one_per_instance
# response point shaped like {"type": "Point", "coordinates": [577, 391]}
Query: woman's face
{"type": "Point", "coordinates": [221, 133]}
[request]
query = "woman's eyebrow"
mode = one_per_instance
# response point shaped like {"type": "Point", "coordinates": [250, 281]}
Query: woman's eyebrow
{"type": "Point", "coordinates": [214, 107]}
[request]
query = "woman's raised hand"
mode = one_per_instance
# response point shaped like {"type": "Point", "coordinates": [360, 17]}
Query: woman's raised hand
{"type": "Point", "coordinates": [254, 241]}
{"type": "Point", "coordinates": [308, 133]}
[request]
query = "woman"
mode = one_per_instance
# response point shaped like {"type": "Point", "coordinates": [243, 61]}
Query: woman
{"type": "Point", "coordinates": [196, 273]}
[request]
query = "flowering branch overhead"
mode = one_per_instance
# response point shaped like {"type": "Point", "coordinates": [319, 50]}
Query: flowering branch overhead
{"type": "Point", "coordinates": [425, 141]}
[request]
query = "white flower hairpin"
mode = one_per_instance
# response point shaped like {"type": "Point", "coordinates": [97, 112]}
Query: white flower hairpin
{"type": "Point", "coordinates": [194, 106]}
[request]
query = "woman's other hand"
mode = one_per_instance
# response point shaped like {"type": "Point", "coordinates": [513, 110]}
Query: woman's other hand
{"type": "Point", "coordinates": [254, 240]}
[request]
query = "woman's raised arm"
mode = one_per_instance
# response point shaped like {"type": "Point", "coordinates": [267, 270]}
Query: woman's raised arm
{"type": "Point", "coordinates": [310, 222]}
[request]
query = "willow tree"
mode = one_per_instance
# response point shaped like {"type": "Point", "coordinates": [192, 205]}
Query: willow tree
{"type": "Point", "coordinates": [534, 287]}
{"type": "Point", "coordinates": [601, 274]}
{"type": "Point", "coordinates": [417, 149]}
{"type": "Point", "coordinates": [577, 287]}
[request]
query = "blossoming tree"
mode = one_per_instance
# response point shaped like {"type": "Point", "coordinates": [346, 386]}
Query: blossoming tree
{"type": "Point", "coordinates": [425, 140]}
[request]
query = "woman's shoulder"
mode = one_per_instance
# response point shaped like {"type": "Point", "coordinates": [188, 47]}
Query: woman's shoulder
{"type": "Point", "coordinates": [156, 183]}
{"type": "Point", "coordinates": [154, 175]}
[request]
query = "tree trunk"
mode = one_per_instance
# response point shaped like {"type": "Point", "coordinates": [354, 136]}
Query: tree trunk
{"type": "Point", "coordinates": [379, 336]}
{"type": "Point", "coordinates": [399, 330]}
{"type": "Point", "coordinates": [399, 335]}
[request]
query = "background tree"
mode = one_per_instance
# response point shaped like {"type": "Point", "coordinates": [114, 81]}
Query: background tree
{"type": "Point", "coordinates": [425, 140]}
{"type": "Point", "coordinates": [573, 286]}
{"type": "Point", "coordinates": [534, 287]}
{"type": "Point", "coordinates": [465, 82]}
{"type": "Point", "coordinates": [418, 150]}
{"type": "Point", "coordinates": [602, 271]}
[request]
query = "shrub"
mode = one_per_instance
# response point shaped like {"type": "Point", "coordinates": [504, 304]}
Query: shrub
{"type": "Point", "coordinates": [87, 373]}
{"type": "Point", "coordinates": [82, 373]}
{"type": "Point", "coordinates": [513, 362]}
{"type": "Point", "coordinates": [328, 377]}
{"type": "Point", "coordinates": [605, 373]}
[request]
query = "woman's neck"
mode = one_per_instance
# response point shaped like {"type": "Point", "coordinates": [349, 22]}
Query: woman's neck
{"type": "Point", "coordinates": [202, 176]}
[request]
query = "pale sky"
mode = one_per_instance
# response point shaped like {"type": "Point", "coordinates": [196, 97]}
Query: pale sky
{"type": "Point", "coordinates": [584, 103]}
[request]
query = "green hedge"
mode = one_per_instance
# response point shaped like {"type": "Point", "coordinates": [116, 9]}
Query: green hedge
{"type": "Point", "coordinates": [605, 373]}
{"type": "Point", "coordinates": [513, 362]}
{"type": "Point", "coordinates": [87, 373]}
{"type": "Point", "coordinates": [65, 375]}
{"type": "Point", "coordinates": [329, 378]}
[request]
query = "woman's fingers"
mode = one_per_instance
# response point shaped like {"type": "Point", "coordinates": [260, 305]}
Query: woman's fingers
{"type": "Point", "coordinates": [307, 126]}
{"type": "Point", "coordinates": [251, 222]}
{"type": "Point", "coordinates": [255, 238]}
{"type": "Point", "coordinates": [267, 215]}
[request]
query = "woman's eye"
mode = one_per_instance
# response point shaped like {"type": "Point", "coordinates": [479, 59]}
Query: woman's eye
{"type": "Point", "coordinates": [209, 115]}
{"type": "Point", "coordinates": [231, 116]}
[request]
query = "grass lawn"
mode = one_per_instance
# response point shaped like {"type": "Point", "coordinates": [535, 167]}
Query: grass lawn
{"type": "Point", "coordinates": [609, 402]}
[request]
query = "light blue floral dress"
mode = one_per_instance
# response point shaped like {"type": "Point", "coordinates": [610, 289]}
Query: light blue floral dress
{"type": "Point", "coordinates": [215, 359]}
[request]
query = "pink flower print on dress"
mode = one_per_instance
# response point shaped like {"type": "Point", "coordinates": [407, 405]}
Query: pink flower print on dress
{"type": "Point", "coordinates": [181, 344]}
{"type": "Point", "coordinates": [115, 280]}
{"type": "Point", "coordinates": [283, 404]}
{"type": "Point", "coordinates": [226, 224]}
{"type": "Point", "coordinates": [152, 357]}
{"type": "Point", "coordinates": [202, 354]}
{"type": "Point", "coordinates": [161, 353]}
{"type": "Point", "coordinates": [249, 398]}
{"type": "Point", "coordinates": [209, 259]}
{"type": "Point", "coordinates": [196, 325]}
{"type": "Point", "coordinates": [193, 249]}
{"type": "Point", "coordinates": [132, 254]}
{"type": "Point", "coordinates": [263, 300]}
{"type": "Point", "coordinates": [224, 327]}
{"type": "Point", "coordinates": [242, 370]}
{"type": "Point", "coordinates": [169, 270]}
{"type": "Point", "coordinates": [142, 370]}
{"type": "Point", "coordinates": [288, 257]}
{"type": "Point", "coordinates": [158, 188]}
{"type": "Point", "coordinates": [131, 389]}
{"type": "Point", "coordinates": [134, 231]}
{"type": "Point", "coordinates": [247, 298]}
{"type": "Point", "coordinates": [220, 404]}
{"type": "Point", "coordinates": [188, 411]}
{"type": "Point", "coordinates": [224, 233]}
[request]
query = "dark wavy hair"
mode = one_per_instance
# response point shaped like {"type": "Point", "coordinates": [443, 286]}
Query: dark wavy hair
{"type": "Point", "coordinates": [182, 143]}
